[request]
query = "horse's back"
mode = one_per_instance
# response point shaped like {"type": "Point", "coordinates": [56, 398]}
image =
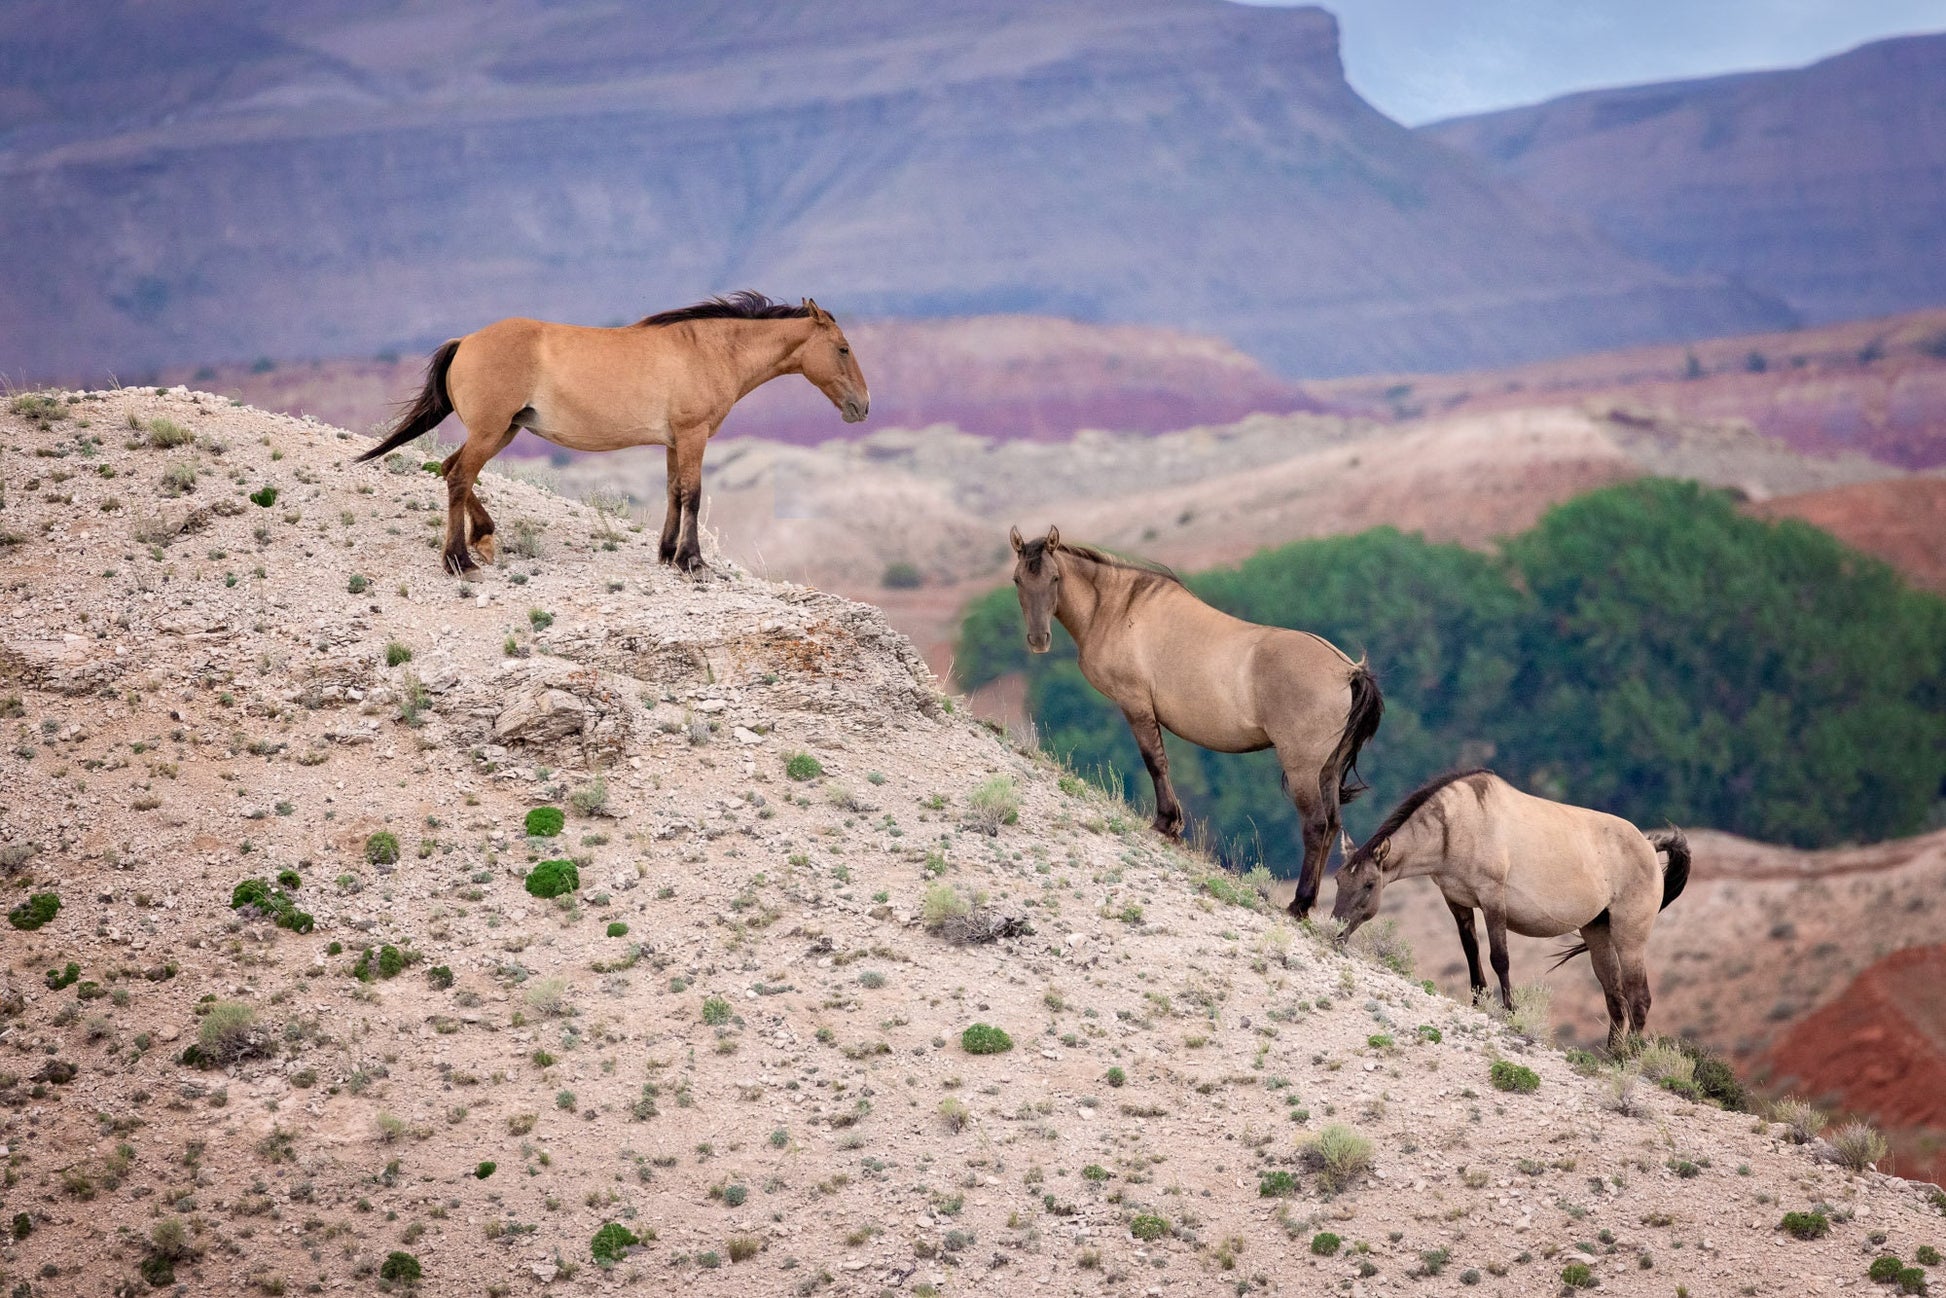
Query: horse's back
{"type": "Point", "coordinates": [1235, 686]}
{"type": "Point", "coordinates": [1563, 864]}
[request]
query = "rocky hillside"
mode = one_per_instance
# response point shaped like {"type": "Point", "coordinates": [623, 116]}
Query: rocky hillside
{"type": "Point", "coordinates": [1824, 184]}
{"type": "Point", "coordinates": [408, 171]}
{"type": "Point", "coordinates": [742, 1038]}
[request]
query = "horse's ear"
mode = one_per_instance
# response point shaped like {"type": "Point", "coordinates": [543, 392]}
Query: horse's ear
{"type": "Point", "coordinates": [817, 312]}
{"type": "Point", "coordinates": [1383, 850]}
{"type": "Point", "coordinates": [1013, 534]}
{"type": "Point", "coordinates": [1053, 537]}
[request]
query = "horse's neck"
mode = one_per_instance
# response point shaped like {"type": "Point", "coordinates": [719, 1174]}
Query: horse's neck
{"type": "Point", "coordinates": [1415, 851]}
{"type": "Point", "coordinates": [1081, 597]}
{"type": "Point", "coordinates": [761, 350]}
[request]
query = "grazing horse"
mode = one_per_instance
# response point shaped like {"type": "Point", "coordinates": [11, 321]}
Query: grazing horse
{"type": "Point", "coordinates": [1170, 661]}
{"type": "Point", "coordinates": [666, 380]}
{"type": "Point", "coordinates": [1536, 867]}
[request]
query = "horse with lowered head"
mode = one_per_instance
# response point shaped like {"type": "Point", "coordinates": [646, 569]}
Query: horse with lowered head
{"type": "Point", "coordinates": [1539, 868]}
{"type": "Point", "coordinates": [1170, 661]}
{"type": "Point", "coordinates": [666, 380]}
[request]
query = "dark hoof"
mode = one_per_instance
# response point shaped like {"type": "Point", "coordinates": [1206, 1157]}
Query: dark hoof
{"type": "Point", "coordinates": [1169, 829]}
{"type": "Point", "coordinates": [1301, 906]}
{"type": "Point", "coordinates": [692, 564]}
{"type": "Point", "coordinates": [462, 566]}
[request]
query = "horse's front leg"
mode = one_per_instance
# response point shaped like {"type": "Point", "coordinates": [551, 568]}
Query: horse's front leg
{"type": "Point", "coordinates": [688, 455]}
{"type": "Point", "coordinates": [1497, 952]}
{"type": "Point", "coordinates": [1470, 944]}
{"type": "Point", "coordinates": [1168, 820]}
{"type": "Point", "coordinates": [672, 520]}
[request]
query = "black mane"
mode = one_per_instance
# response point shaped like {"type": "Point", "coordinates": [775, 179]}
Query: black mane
{"type": "Point", "coordinates": [1036, 550]}
{"type": "Point", "coordinates": [1409, 805]}
{"type": "Point", "coordinates": [748, 304]}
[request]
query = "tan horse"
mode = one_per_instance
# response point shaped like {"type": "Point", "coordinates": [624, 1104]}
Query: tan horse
{"type": "Point", "coordinates": [1170, 661]}
{"type": "Point", "coordinates": [1536, 867]}
{"type": "Point", "coordinates": [667, 380]}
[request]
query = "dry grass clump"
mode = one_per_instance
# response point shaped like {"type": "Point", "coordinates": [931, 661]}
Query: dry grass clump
{"type": "Point", "coordinates": [994, 804]}
{"type": "Point", "coordinates": [954, 1114]}
{"type": "Point", "coordinates": [1663, 1062]}
{"type": "Point", "coordinates": [1804, 1119]}
{"type": "Point", "coordinates": [230, 1032]}
{"type": "Point", "coordinates": [1858, 1145]}
{"type": "Point", "coordinates": [1381, 943]}
{"type": "Point", "coordinates": [1620, 1082]}
{"type": "Point", "coordinates": [966, 921]}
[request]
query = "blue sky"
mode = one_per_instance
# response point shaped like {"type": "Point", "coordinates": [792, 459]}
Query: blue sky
{"type": "Point", "coordinates": [1421, 60]}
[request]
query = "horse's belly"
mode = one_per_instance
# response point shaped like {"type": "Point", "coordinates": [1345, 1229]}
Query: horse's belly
{"type": "Point", "coordinates": [586, 430]}
{"type": "Point", "coordinates": [1205, 731]}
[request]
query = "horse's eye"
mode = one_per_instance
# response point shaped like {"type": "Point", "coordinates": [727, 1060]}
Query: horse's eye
{"type": "Point", "coordinates": [844, 351]}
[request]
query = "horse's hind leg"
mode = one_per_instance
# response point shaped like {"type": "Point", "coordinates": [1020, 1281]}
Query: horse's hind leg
{"type": "Point", "coordinates": [1168, 820]}
{"type": "Point", "coordinates": [480, 525]}
{"type": "Point", "coordinates": [1600, 942]}
{"type": "Point", "coordinates": [461, 470]}
{"type": "Point", "coordinates": [1316, 823]}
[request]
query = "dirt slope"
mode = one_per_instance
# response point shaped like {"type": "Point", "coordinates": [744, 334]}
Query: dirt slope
{"type": "Point", "coordinates": [752, 1077]}
{"type": "Point", "coordinates": [1899, 520]}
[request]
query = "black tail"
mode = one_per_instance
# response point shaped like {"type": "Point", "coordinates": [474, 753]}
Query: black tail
{"type": "Point", "coordinates": [1361, 723]}
{"type": "Point", "coordinates": [1675, 876]}
{"type": "Point", "coordinates": [427, 409]}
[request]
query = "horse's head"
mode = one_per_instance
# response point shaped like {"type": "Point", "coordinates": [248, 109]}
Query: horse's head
{"type": "Point", "coordinates": [826, 360]}
{"type": "Point", "coordinates": [1360, 881]}
{"type": "Point", "coordinates": [1037, 580]}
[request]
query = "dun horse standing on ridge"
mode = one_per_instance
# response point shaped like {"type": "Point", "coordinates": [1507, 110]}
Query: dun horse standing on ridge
{"type": "Point", "coordinates": [1536, 867]}
{"type": "Point", "coordinates": [1170, 661]}
{"type": "Point", "coordinates": [666, 380]}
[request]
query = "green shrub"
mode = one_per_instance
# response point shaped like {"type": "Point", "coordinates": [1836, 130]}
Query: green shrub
{"type": "Point", "coordinates": [382, 848]}
{"type": "Point", "coordinates": [982, 1039]}
{"type": "Point", "coordinates": [1325, 1244]}
{"type": "Point", "coordinates": [23, 1225]}
{"type": "Point", "coordinates": [264, 497]}
{"type": "Point", "coordinates": [1147, 1226]}
{"type": "Point", "coordinates": [545, 822]}
{"type": "Point", "coordinates": [1427, 1032]}
{"type": "Point", "coordinates": [1578, 1275]}
{"type": "Point", "coordinates": [1339, 1155]}
{"type": "Point", "coordinates": [440, 976]}
{"type": "Point", "coordinates": [1911, 1280]}
{"type": "Point", "coordinates": [380, 962]}
{"type": "Point", "coordinates": [358, 584]}
{"type": "Point", "coordinates": [617, 928]}
{"type": "Point", "coordinates": [1116, 1077]}
{"type": "Point", "coordinates": [612, 1241]}
{"type": "Point", "coordinates": [1276, 1185]}
{"type": "Point", "coordinates": [901, 574]}
{"type": "Point", "coordinates": [1806, 1225]}
{"type": "Point", "coordinates": [396, 653]}
{"type": "Point", "coordinates": [803, 766]}
{"type": "Point", "coordinates": [1506, 1075]}
{"type": "Point", "coordinates": [735, 1195]}
{"type": "Point", "coordinates": [272, 903]}
{"type": "Point", "coordinates": [57, 979]}
{"type": "Point", "coordinates": [716, 1011]}
{"type": "Point", "coordinates": [37, 910]}
{"type": "Point", "coordinates": [289, 879]}
{"type": "Point", "coordinates": [485, 1169]}
{"type": "Point", "coordinates": [400, 1268]}
{"type": "Point", "coordinates": [553, 878]}
{"type": "Point", "coordinates": [1885, 1270]}
{"type": "Point", "coordinates": [1926, 1254]}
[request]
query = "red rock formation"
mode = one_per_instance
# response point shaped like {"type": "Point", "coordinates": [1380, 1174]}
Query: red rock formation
{"type": "Point", "coordinates": [1879, 1050]}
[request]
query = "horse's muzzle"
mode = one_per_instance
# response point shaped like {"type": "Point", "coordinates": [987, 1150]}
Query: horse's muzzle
{"type": "Point", "coordinates": [855, 410]}
{"type": "Point", "coordinates": [1040, 645]}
